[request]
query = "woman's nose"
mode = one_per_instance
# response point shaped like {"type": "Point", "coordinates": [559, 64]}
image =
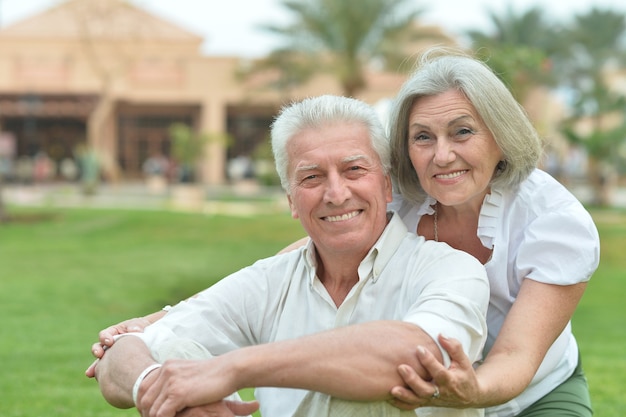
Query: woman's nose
{"type": "Point", "coordinates": [444, 152]}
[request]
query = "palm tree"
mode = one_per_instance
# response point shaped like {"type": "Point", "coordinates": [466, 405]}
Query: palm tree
{"type": "Point", "coordinates": [520, 49]}
{"type": "Point", "coordinates": [527, 52]}
{"type": "Point", "coordinates": [596, 49]}
{"type": "Point", "coordinates": [342, 38]}
{"type": "Point", "coordinates": [528, 28]}
{"type": "Point", "coordinates": [596, 42]}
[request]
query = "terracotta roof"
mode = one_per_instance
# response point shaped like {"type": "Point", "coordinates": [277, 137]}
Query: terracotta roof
{"type": "Point", "coordinates": [100, 19]}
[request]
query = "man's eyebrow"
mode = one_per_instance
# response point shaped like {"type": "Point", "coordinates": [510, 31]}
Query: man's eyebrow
{"type": "Point", "coordinates": [358, 157]}
{"type": "Point", "coordinates": [307, 167]}
{"type": "Point", "coordinates": [347, 159]}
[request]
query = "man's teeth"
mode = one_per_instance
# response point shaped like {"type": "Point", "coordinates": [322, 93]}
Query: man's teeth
{"type": "Point", "coordinates": [346, 216]}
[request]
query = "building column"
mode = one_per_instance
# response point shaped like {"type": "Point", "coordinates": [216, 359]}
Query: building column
{"type": "Point", "coordinates": [101, 138]}
{"type": "Point", "coordinates": [213, 124]}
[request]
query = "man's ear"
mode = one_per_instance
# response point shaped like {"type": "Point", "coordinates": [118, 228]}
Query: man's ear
{"type": "Point", "coordinates": [292, 207]}
{"type": "Point", "coordinates": [388, 188]}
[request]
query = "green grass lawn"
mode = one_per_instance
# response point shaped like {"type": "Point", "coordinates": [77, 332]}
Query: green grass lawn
{"type": "Point", "coordinates": [599, 320]}
{"type": "Point", "coordinates": [65, 278]}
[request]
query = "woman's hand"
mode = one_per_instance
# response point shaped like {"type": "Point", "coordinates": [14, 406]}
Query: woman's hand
{"type": "Point", "coordinates": [107, 336]}
{"type": "Point", "coordinates": [454, 387]}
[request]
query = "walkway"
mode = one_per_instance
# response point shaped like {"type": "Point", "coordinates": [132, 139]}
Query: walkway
{"type": "Point", "coordinates": [244, 199]}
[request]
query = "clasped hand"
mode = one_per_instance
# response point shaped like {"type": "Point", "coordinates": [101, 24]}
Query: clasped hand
{"type": "Point", "coordinates": [190, 388]}
{"type": "Point", "coordinates": [454, 387]}
{"type": "Point", "coordinates": [107, 336]}
{"type": "Point", "coordinates": [175, 403]}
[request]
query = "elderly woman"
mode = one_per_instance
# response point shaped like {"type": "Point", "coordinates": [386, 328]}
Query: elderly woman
{"type": "Point", "coordinates": [465, 165]}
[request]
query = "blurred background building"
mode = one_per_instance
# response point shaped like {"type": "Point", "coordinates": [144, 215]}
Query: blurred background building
{"type": "Point", "coordinates": [104, 89]}
{"type": "Point", "coordinates": [105, 76]}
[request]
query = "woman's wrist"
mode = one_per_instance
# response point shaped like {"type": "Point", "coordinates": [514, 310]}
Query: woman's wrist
{"type": "Point", "coordinates": [490, 389]}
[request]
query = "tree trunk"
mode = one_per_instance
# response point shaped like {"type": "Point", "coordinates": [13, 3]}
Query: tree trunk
{"type": "Point", "coordinates": [4, 216]}
{"type": "Point", "coordinates": [603, 181]}
{"type": "Point", "coordinates": [96, 132]}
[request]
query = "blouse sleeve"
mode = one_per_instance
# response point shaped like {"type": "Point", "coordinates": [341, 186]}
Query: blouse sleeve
{"type": "Point", "coordinates": [559, 247]}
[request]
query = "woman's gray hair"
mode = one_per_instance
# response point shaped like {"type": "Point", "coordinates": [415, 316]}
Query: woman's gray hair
{"type": "Point", "coordinates": [317, 112]}
{"type": "Point", "coordinates": [440, 70]}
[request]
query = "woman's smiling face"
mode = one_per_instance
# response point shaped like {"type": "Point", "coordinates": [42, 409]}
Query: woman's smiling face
{"type": "Point", "coordinates": [451, 149]}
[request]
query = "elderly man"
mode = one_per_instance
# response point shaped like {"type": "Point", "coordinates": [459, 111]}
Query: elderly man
{"type": "Point", "coordinates": [320, 330]}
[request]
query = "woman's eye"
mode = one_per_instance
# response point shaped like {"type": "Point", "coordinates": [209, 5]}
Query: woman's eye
{"type": "Point", "coordinates": [465, 131]}
{"type": "Point", "coordinates": [420, 137]}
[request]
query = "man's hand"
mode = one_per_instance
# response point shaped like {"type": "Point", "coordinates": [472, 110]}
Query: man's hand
{"type": "Point", "coordinates": [182, 384]}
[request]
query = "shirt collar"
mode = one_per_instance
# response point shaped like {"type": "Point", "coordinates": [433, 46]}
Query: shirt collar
{"type": "Point", "coordinates": [377, 257]}
{"type": "Point", "coordinates": [384, 248]}
{"type": "Point", "coordinates": [490, 213]}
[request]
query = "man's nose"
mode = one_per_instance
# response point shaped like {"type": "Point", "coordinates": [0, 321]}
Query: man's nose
{"type": "Point", "coordinates": [337, 190]}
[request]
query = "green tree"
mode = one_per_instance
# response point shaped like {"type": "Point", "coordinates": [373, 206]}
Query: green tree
{"type": "Point", "coordinates": [597, 49]}
{"type": "Point", "coordinates": [189, 146]}
{"type": "Point", "coordinates": [520, 49]}
{"type": "Point", "coordinates": [187, 150]}
{"type": "Point", "coordinates": [342, 38]}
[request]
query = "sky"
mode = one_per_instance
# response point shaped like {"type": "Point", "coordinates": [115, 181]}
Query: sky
{"type": "Point", "coordinates": [230, 27]}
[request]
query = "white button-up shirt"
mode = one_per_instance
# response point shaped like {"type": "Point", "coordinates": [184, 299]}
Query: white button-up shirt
{"type": "Point", "coordinates": [403, 277]}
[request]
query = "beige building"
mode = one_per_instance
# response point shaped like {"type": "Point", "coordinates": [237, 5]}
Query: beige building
{"type": "Point", "coordinates": [109, 75]}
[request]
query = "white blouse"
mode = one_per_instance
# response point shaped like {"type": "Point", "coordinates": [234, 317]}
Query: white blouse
{"type": "Point", "coordinates": [538, 231]}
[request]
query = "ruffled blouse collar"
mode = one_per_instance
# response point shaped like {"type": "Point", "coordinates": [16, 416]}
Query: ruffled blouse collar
{"type": "Point", "coordinates": [490, 213]}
